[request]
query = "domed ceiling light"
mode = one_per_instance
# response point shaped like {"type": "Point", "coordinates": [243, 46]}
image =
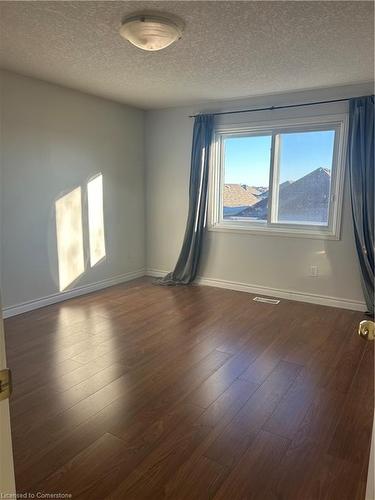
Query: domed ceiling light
{"type": "Point", "coordinates": [149, 32]}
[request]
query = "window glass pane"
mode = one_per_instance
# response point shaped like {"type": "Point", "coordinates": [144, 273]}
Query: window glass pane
{"type": "Point", "coordinates": [246, 178]}
{"type": "Point", "coordinates": [305, 166]}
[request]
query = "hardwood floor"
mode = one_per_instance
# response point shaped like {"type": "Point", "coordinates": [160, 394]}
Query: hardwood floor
{"type": "Point", "coordinates": [141, 391]}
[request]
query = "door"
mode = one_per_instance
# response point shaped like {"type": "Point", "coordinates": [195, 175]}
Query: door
{"type": "Point", "coordinates": [367, 331]}
{"type": "Point", "coordinates": [370, 490]}
{"type": "Point", "coordinates": [6, 456]}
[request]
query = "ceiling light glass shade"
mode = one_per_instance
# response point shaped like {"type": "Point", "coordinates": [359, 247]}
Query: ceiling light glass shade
{"type": "Point", "coordinates": [150, 33]}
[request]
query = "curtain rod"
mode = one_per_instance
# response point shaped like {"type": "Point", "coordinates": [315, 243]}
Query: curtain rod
{"type": "Point", "coordinates": [271, 108]}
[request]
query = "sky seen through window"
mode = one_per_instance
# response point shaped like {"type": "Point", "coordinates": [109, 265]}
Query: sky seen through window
{"type": "Point", "coordinates": [247, 159]}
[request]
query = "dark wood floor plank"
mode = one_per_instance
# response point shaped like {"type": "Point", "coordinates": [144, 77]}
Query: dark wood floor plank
{"type": "Point", "coordinates": [351, 438]}
{"type": "Point", "coordinates": [314, 331]}
{"type": "Point", "coordinates": [200, 481]}
{"type": "Point", "coordinates": [305, 455]}
{"type": "Point", "coordinates": [149, 478]}
{"type": "Point", "coordinates": [256, 470]}
{"type": "Point", "coordinates": [38, 370]}
{"type": "Point", "coordinates": [140, 442]}
{"type": "Point", "coordinates": [228, 404]}
{"type": "Point", "coordinates": [334, 478]}
{"type": "Point", "coordinates": [264, 364]}
{"type": "Point", "coordinates": [291, 409]}
{"type": "Point", "coordinates": [56, 382]}
{"type": "Point", "coordinates": [318, 372]}
{"type": "Point", "coordinates": [252, 346]}
{"type": "Point", "coordinates": [85, 468]}
{"type": "Point", "coordinates": [115, 399]}
{"type": "Point", "coordinates": [135, 376]}
{"type": "Point", "coordinates": [41, 405]}
{"type": "Point", "coordinates": [237, 436]}
{"type": "Point", "coordinates": [141, 391]}
{"type": "Point", "coordinates": [348, 358]}
{"type": "Point", "coordinates": [215, 418]}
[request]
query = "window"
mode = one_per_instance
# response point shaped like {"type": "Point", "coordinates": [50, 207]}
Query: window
{"type": "Point", "coordinates": [244, 187]}
{"type": "Point", "coordinates": [284, 177]}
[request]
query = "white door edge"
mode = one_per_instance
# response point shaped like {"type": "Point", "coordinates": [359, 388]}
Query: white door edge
{"type": "Point", "coordinates": [7, 483]}
{"type": "Point", "coordinates": [370, 488]}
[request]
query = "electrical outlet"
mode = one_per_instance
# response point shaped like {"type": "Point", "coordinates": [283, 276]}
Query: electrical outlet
{"type": "Point", "coordinates": [314, 271]}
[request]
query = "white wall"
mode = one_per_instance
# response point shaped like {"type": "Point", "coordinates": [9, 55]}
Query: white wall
{"type": "Point", "coordinates": [53, 140]}
{"type": "Point", "coordinates": [274, 262]}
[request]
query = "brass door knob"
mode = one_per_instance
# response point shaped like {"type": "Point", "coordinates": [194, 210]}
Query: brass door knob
{"type": "Point", "coordinates": [366, 329]}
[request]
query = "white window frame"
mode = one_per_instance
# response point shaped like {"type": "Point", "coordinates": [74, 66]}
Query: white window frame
{"type": "Point", "coordinates": [338, 122]}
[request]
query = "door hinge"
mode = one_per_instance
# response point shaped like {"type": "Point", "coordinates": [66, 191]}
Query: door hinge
{"type": "Point", "coordinates": [5, 383]}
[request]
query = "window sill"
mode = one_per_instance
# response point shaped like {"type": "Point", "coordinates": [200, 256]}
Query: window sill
{"type": "Point", "coordinates": [290, 232]}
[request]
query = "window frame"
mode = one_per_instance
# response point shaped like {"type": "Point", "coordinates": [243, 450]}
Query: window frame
{"type": "Point", "coordinates": [337, 122]}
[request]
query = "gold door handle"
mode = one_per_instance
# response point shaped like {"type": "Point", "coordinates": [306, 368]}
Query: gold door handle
{"type": "Point", "coordinates": [366, 329]}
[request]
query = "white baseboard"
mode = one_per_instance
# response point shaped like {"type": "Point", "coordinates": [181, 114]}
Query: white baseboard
{"type": "Point", "coordinates": [155, 273]}
{"type": "Point", "coordinates": [69, 294]}
{"type": "Point", "coordinates": [219, 283]}
{"type": "Point", "coordinates": [311, 298]}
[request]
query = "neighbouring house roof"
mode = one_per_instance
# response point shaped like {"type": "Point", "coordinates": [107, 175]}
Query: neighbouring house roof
{"type": "Point", "coordinates": [240, 195]}
{"type": "Point", "coordinates": [306, 197]}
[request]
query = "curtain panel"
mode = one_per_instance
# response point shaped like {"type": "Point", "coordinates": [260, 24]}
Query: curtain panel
{"type": "Point", "coordinates": [186, 267]}
{"type": "Point", "coordinates": [361, 169]}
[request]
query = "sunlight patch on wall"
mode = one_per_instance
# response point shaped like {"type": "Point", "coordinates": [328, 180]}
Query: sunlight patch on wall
{"type": "Point", "coordinates": [69, 237]}
{"type": "Point", "coordinates": [96, 219]}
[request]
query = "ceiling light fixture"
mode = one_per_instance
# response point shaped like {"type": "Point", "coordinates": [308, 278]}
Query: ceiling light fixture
{"type": "Point", "coordinates": [149, 32]}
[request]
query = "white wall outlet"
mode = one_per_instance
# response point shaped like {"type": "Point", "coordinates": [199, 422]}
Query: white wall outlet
{"type": "Point", "coordinates": [314, 271]}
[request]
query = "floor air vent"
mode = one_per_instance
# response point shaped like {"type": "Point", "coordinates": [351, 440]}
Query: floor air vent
{"type": "Point", "coordinates": [267, 301]}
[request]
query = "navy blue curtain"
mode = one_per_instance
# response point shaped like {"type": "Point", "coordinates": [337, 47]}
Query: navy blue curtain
{"type": "Point", "coordinates": [187, 263]}
{"type": "Point", "coordinates": [361, 168]}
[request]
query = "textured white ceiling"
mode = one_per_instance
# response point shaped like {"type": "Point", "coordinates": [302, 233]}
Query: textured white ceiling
{"type": "Point", "coordinates": [229, 49]}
